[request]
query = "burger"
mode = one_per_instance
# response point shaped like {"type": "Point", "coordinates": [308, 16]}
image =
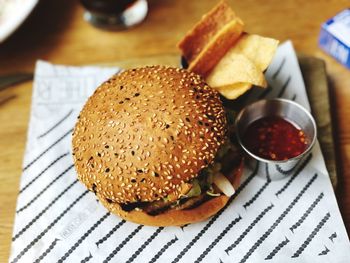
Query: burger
{"type": "Point", "coordinates": [155, 146]}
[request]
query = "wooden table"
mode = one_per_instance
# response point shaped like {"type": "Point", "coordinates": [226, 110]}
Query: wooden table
{"type": "Point", "coordinates": [56, 32]}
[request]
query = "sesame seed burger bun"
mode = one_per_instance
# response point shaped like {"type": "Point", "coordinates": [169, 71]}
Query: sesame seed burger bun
{"type": "Point", "coordinates": [144, 134]}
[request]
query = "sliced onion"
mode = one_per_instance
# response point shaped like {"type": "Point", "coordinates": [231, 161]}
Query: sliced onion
{"type": "Point", "coordinates": [212, 194]}
{"type": "Point", "coordinates": [223, 184]}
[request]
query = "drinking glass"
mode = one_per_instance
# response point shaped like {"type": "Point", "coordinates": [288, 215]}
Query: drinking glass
{"type": "Point", "coordinates": [115, 14]}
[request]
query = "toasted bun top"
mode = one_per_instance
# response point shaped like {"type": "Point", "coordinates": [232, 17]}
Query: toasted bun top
{"type": "Point", "coordinates": [145, 132]}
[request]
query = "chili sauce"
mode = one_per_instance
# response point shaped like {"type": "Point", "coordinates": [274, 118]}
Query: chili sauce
{"type": "Point", "coordinates": [275, 138]}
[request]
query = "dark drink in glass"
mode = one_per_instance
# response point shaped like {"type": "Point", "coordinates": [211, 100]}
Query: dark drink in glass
{"type": "Point", "coordinates": [115, 14]}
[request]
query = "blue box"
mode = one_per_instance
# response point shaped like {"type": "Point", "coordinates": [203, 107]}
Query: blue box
{"type": "Point", "coordinates": [335, 37]}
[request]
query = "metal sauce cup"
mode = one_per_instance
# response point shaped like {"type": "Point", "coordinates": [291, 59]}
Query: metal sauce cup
{"type": "Point", "coordinates": [288, 110]}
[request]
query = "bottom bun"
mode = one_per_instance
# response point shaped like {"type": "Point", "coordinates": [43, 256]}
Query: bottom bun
{"type": "Point", "coordinates": [174, 217]}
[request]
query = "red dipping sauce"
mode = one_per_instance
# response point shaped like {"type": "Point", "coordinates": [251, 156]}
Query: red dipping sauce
{"type": "Point", "coordinates": [274, 138]}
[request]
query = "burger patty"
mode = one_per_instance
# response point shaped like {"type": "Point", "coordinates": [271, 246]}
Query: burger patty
{"type": "Point", "coordinates": [160, 206]}
{"type": "Point", "coordinates": [228, 158]}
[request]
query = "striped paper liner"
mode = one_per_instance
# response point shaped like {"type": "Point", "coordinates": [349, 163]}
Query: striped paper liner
{"type": "Point", "coordinates": [57, 220]}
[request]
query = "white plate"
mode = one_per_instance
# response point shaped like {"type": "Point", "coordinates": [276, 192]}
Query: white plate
{"type": "Point", "coordinates": [12, 15]}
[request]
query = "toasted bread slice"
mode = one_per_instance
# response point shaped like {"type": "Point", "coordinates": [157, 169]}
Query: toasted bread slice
{"type": "Point", "coordinates": [217, 48]}
{"type": "Point", "coordinates": [198, 37]}
{"type": "Point", "coordinates": [205, 44]}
